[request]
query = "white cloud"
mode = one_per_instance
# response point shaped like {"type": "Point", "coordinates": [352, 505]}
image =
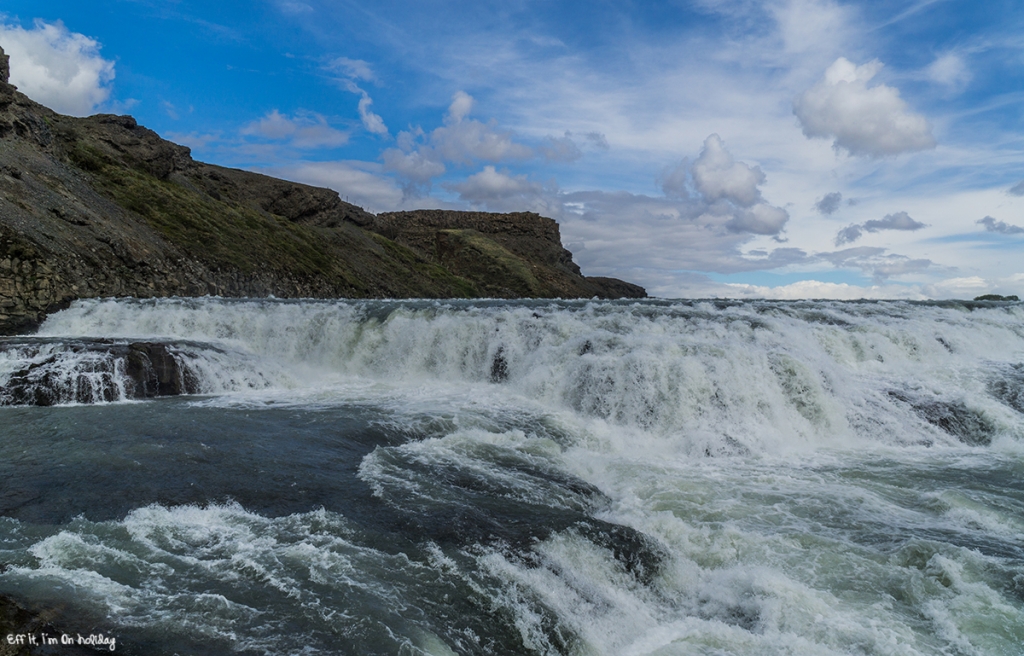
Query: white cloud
{"type": "Point", "coordinates": [352, 69]}
{"type": "Point", "coordinates": [422, 156]}
{"type": "Point", "coordinates": [306, 130]}
{"type": "Point", "coordinates": [872, 121]}
{"type": "Point", "coordinates": [463, 140]}
{"type": "Point", "coordinates": [462, 105]}
{"type": "Point", "coordinates": [372, 122]}
{"type": "Point", "coordinates": [412, 166]}
{"type": "Point", "coordinates": [500, 191]}
{"type": "Point", "coordinates": [58, 68]}
{"type": "Point", "coordinates": [808, 25]}
{"type": "Point", "coordinates": [717, 176]}
{"type": "Point", "coordinates": [949, 70]}
{"type": "Point", "coordinates": [491, 184]}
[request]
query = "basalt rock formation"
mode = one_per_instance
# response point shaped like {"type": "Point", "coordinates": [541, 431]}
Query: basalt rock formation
{"type": "Point", "coordinates": [101, 206]}
{"type": "Point", "coordinates": [110, 371]}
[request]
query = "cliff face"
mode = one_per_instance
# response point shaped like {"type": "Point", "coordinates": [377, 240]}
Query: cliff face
{"type": "Point", "coordinates": [101, 206]}
{"type": "Point", "coordinates": [504, 255]}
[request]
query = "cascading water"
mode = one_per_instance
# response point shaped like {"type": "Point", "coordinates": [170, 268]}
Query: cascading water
{"type": "Point", "coordinates": [437, 477]}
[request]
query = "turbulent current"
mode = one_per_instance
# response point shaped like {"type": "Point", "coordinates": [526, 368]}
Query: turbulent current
{"type": "Point", "coordinates": [492, 477]}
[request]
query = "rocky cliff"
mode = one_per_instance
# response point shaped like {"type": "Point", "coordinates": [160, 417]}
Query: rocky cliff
{"type": "Point", "coordinates": [102, 206]}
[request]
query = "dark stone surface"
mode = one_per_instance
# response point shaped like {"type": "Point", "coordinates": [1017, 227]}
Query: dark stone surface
{"type": "Point", "coordinates": [149, 370]}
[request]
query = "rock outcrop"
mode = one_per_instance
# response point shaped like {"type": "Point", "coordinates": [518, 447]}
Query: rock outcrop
{"type": "Point", "coordinates": [101, 206]}
{"type": "Point", "coordinates": [505, 255]}
{"type": "Point", "coordinates": [101, 370]}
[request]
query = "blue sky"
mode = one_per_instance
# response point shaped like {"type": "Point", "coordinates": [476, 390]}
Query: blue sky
{"type": "Point", "coordinates": [740, 148]}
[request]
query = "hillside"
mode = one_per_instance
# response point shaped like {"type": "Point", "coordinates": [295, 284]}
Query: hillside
{"type": "Point", "coordinates": [101, 206]}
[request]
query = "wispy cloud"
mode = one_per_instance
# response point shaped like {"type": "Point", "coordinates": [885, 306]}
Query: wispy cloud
{"type": "Point", "coordinates": [350, 71]}
{"type": "Point", "coordinates": [877, 262]}
{"type": "Point", "coordinates": [305, 130]}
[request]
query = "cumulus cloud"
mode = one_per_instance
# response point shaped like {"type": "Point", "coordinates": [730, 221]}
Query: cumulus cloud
{"type": "Point", "coordinates": [462, 105]}
{"type": "Point", "coordinates": [1001, 227]}
{"type": "Point", "coordinates": [502, 191]}
{"type": "Point", "coordinates": [718, 176]}
{"type": "Point", "coordinates": [304, 130]}
{"type": "Point", "coordinates": [665, 235]}
{"type": "Point", "coordinates": [1017, 189]}
{"type": "Point", "coordinates": [829, 203]}
{"type": "Point", "coordinates": [58, 68]}
{"type": "Point", "coordinates": [896, 221]}
{"type": "Point", "coordinates": [724, 192]}
{"type": "Point", "coordinates": [871, 121]}
{"type": "Point", "coordinates": [420, 156]}
{"type": "Point", "coordinates": [463, 140]}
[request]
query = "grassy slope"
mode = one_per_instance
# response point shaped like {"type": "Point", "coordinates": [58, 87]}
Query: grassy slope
{"type": "Point", "coordinates": [231, 235]}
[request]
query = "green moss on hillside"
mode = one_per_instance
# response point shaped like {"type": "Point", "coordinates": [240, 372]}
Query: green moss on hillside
{"type": "Point", "coordinates": [215, 231]}
{"type": "Point", "coordinates": [455, 286]}
{"type": "Point", "coordinates": [487, 263]}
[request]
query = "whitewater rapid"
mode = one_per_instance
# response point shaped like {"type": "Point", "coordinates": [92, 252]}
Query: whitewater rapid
{"type": "Point", "coordinates": [549, 477]}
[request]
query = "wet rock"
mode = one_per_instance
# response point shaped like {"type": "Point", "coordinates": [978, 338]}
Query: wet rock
{"type": "Point", "coordinates": [954, 417]}
{"type": "Point", "coordinates": [499, 366]}
{"type": "Point", "coordinates": [98, 372]}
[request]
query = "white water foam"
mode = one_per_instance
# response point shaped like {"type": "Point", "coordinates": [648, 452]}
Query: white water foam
{"type": "Point", "coordinates": [737, 378]}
